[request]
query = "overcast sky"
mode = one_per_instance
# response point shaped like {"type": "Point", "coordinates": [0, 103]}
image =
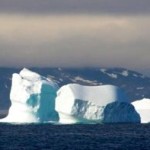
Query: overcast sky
{"type": "Point", "coordinates": [77, 6]}
{"type": "Point", "coordinates": [75, 33]}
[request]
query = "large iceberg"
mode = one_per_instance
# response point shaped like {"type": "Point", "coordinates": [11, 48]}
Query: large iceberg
{"type": "Point", "coordinates": [32, 98]}
{"type": "Point", "coordinates": [89, 104]}
{"type": "Point", "coordinates": [36, 99]}
{"type": "Point", "coordinates": [143, 108]}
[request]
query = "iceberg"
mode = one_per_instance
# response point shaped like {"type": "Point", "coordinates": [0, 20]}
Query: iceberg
{"type": "Point", "coordinates": [94, 104]}
{"type": "Point", "coordinates": [37, 99]}
{"type": "Point", "coordinates": [32, 99]}
{"type": "Point", "coordinates": [143, 108]}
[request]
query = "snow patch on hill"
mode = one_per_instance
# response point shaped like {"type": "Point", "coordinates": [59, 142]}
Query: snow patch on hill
{"type": "Point", "coordinates": [84, 81]}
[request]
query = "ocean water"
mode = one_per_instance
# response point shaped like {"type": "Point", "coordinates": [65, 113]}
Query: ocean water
{"type": "Point", "coordinates": [75, 137]}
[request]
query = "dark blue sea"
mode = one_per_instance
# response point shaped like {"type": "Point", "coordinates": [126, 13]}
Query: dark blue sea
{"type": "Point", "coordinates": [75, 137]}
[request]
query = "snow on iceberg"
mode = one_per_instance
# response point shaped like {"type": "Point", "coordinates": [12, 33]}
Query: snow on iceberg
{"type": "Point", "coordinates": [32, 98]}
{"type": "Point", "coordinates": [87, 104]}
{"type": "Point", "coordinates": [143, 108]}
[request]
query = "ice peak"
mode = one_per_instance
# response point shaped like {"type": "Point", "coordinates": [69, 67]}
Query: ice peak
{"type": "Point", "coordinates": [29, 75]}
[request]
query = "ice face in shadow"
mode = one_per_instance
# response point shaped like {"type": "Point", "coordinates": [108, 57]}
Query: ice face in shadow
{"type": "Point", "coordinates": [32, 99]}
{"type": "Point", "coordinates": [89, 104]}
{"type": "Point", "coordinates": [143, 108]}
{"type": "Point", "coordinates": [120, 112]}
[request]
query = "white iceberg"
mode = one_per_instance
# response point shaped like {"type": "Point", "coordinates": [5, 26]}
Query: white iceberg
{"type": "Point", "coordinates": [32, 99]}
{"type": "Point", "coordinates": [143, 108]}
{"type": "Point", "coordinates": [89, 104]}
{"type": "Point", "coordinates": [36, 99]}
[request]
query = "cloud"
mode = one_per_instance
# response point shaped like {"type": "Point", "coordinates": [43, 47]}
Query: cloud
{"type": "Point", "coordinates": [75, 6]}
{"type": "Point", "coordinates": [75, 41]}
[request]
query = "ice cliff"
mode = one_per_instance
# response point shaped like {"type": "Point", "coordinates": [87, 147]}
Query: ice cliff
{"type": "Point", "coordinates": [32, 98]}
{"type": "Point", "coordinates": [89, 104]}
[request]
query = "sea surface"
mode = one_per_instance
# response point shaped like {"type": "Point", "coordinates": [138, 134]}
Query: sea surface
{"type": "Point", "coordinates": [75, 137]}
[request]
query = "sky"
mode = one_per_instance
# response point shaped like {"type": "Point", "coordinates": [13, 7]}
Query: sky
{"type": "Point", "coordinates": [75, 33]}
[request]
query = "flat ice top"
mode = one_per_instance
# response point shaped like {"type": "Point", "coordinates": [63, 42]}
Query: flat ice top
{"type": "Point", "coordinates": [100, 95]}
{"type": "Point", "coordinates": [142, 104]}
